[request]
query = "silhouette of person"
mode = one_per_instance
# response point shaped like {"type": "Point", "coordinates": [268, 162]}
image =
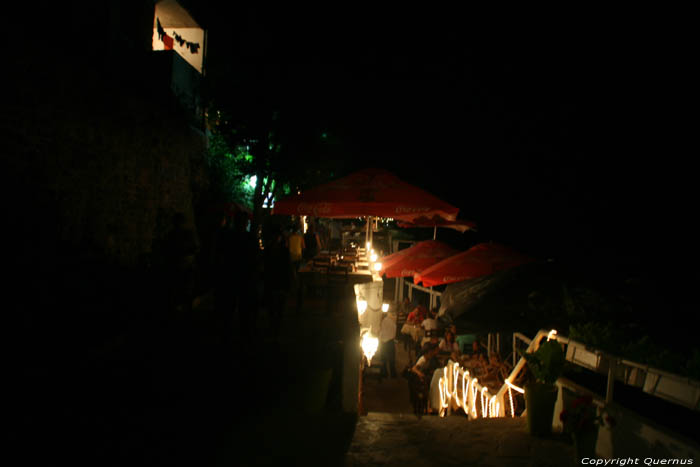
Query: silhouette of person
{"type": "Point", "coordinates": [311, 242]}
{"type": "Point", "coordinates": [276, 277]}
{"type": "Point", "coordinates": [236, 259]}
{"type": "Point", "coordinates": [180, 249]}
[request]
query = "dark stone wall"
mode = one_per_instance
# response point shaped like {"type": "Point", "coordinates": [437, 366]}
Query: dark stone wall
{"type": "Point", "coordinates": [99, 164]}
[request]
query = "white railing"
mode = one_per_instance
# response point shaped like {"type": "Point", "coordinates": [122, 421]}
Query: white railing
{"type": "Point", "coordinates": [674, 388]}
{"type": "Point", "coordinates": [474, 396]}
{"type": "Point", "coordinates": [399, 286]}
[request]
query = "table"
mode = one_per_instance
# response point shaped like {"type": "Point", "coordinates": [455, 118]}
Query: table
{"type": "Point", "coordinates": [416, 332]}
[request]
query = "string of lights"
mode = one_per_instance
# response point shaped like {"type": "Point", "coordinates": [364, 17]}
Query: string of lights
{"type": "Point", "coordinates": [456, 385]}
{"type": "Point", "coordinates": [471, 390]}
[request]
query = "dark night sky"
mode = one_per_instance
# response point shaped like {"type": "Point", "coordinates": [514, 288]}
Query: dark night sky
{"type": "Point", "coordinates": [562, 138]}
{"type": "Point", "coordinates": [558, 141]}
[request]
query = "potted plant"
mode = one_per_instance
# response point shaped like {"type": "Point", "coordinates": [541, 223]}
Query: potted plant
{"type": "Point", "coordinates": [582, 419]}
{"type": "Point", "coordinates": [546, 365]}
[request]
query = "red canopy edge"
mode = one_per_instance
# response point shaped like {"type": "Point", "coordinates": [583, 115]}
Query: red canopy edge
{"type": "Point", "coordinates": [369, 192]}
{"type": "Point", "coordinates": [480, 260]}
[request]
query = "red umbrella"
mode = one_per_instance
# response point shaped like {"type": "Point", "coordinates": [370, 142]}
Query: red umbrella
{"type": "Point", "coordinates": [416, 258]}
{"type": "Point", "coordinates": [437, 221]}
{"type": "Point", "coordinates": [479, 260]}
{"type": "Point", "coordinates": [369, 192]}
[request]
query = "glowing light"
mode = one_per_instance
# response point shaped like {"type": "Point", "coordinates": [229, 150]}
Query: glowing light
{"type": "Point", "coordinates": [361, 306]}
{"type": "Point", "coordinates": [377, 267]}
{"type": "Point", "coordinates": [369, 346]}
{"type": "Point", "coordinates": [253, 181]}
{"type": "Point", "coordinates": [494, 407]}
{"type": "Point", "coordinates": [465, 392]}
{"type": "Point", "coordinates": [373, 257]}
{"type": "Point", "coordinates": [512, 408]}
{"type": "Point", "coordinates": [455, 376]}
{"type": "Point", "coordinates": [385, 307]}
{"type": "Point", "coordinates": [471, 391]}
{"type": "Point", "coordinates": [474, 392]}
{"type": "Point", "coordinates": [511, 385]}
{"type": "Point", "coordinates": [442, 383]}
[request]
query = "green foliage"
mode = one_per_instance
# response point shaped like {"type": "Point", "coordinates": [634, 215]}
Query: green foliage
{"type": "Point", "coordinates": [228, 171]}
{"type": "Point", "coordinates": [547, 363]}
{"type": "Point", "coordinates": [603, 336]}
{"type": "Point", "coordinates": [611, 338]}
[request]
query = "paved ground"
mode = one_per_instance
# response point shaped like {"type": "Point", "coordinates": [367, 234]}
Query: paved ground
{"type": "Point", "coordinates": [404, 440]}
{"type": "Point", "coordinates": [392, 435]}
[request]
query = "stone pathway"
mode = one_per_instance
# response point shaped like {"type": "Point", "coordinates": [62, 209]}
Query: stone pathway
{"type": "Point", "coordinates": [404, 440]}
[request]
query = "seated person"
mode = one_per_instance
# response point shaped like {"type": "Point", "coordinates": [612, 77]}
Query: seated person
{"type": "Point", "coordinates": [417, 315]}
{"type": "Point", "coordinates": [448, 344]}
{"type": "Point", "coordinates": [429, 324]}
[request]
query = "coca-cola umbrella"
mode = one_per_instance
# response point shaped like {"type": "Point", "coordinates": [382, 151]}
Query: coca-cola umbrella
{"type": "Point", "coordinates": [479, 260]}
{"type": "Point", "coordinates": [369, 192]}
{"type": "Point", "coordinates": [407, 262]}
{"type": "Point", "coordinates": [437, 221]}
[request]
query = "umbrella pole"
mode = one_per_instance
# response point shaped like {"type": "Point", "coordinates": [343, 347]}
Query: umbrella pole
{"type": "Point", "coordinates": [367, 235]}
{"type": "Point", "coordinates": [435, 232]}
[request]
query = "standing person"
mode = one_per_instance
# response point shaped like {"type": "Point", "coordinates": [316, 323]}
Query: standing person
{"type": "Point", "coordinates": [335, 235]}
{"type": "Point", "coordinates": [246, 259]}
{"type": "Point", "coordinates": [235, 258]}
{"type": "Point", "coordinates": [296, 248]}
{"type": "Point", "coordinates": [323, 233]}
{"type": "Point", "coordinates": [222, 275]}
{"type": "Point", "coordinates": [387, 334]}
{"type": "Point", "coordinates": [312, 242]}
{"type": "Point", "coordinates": [180, 250]}
{"type": "Point", "coordinates": [422, 375]}
{"type": "Point", "coordinates": [276, 278]}
{"type": "Point", "coordinates": [296, 245]}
